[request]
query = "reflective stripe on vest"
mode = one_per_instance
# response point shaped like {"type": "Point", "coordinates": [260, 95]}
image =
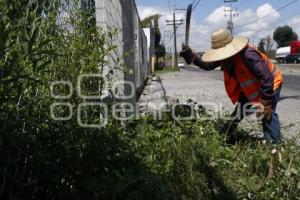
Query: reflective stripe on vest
{"type": "Point", "coordinates": [253, 96]}
{"type": "Point", "coordinates": [247, 83]}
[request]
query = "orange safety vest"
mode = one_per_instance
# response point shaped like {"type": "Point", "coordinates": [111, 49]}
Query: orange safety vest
{"type": "Point", "coordinates": [246, 82]}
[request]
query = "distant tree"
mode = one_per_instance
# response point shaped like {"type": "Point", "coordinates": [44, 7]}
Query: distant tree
{"type": "Point", "coordinates": [152, 21]}
{"type": "Point", "coordinates": [160, 51]}
{"type": "Point", "coordinates": [265, 45]}
{"type": "Point", "coordinates": [284, 35]}
{"type": "Point", "coordinates": [268, 43]}
{"type": "Point", "coordinates": [148, 21]}
{"type": "Point", "coordinates": [261, 45]}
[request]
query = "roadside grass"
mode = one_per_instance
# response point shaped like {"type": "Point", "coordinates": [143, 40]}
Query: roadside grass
{"type": "Point", "coordinates": [166, 70]}
{"type": "Point", "coordinates": [145, 159]}
{"type": "Point", "coordinates": [197, 161]}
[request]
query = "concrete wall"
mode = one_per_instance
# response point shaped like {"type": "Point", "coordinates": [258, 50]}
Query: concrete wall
{"type": "Point", "coordinates": [109, 16]}
{"type": "Point", "coordinates": [123, 14]}
{"type": "Point", "coordinates": [141, 55]}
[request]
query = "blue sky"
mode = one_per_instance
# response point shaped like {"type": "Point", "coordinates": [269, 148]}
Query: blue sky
{"type": "Point", "coordinates": [209, 16]}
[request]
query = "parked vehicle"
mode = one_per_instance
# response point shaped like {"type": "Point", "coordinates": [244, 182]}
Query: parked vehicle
{"type": "Point", "coordinates": [180, 63]}
{"type": "Point", "coordinates": [281, 53]}
{"type": "Point", "coordinates": [290, 53]}
{"type": "Point", "coordinates": [295, 47]}
{"type": "Point", "coordinates": [292, 58]}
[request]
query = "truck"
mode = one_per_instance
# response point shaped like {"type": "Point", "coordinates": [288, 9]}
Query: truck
{"type": "Point", "coordinates": [289, 54]}
{"type": "Point", "coordinates": [281, 53]}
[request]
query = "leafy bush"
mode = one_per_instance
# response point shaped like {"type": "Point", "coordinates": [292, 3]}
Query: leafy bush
{"type": "Point", "coordinates": [197, 162]}
{"type": "Point", "coordinates": [41, 157]}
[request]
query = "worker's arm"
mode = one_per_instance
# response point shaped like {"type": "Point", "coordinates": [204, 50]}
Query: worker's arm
{"type": "Point", "coordinates": [259, 68]}
{"type": "Point", "coordinates": [203, 65]}
{"type": "Point", "coordinates": [191, 57]}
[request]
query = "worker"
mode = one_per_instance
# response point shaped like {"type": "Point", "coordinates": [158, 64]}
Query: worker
{"type": "Point", "coordinates": [249, 78]}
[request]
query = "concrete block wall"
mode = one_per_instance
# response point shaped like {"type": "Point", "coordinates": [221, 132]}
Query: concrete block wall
{"type": "Point", "coordinates": [141, 56]}
{"type": "Point", "coordinates": [109, 16]}
{"type": "Point", "coordinates": [123, 15]}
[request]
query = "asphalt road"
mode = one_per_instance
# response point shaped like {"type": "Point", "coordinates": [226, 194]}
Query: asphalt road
{"type": "Point", "coordinates": [202, 86]}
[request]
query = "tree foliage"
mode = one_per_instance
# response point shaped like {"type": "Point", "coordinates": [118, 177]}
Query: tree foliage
{"type": "Point", "coordinates": [42, 157]}
{"type": "Point", "coordinates": [284, 35]}
{"type": "Point", "coordinates": [160, 51]}
{"type": "Point", "coordinates": [268, 43]}
{"type": "Point", "coordinates": [153, 21]}
{"type": "Point", "coordinates": [261, 45]}
{"type": "Point", "coordinates": [265, 45]}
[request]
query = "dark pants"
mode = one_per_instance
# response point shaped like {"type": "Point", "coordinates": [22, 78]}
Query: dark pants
{"type": "Point", "coordinates": [271, 129]}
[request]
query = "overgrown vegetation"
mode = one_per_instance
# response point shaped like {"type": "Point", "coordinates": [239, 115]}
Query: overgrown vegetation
{"type": "Point", "coordinates": [143, 159]}
{"type": "Point", "coordinates": [197, 161]}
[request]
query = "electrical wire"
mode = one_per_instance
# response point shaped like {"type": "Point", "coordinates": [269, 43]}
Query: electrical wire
{"type": "Point", "coordinates": [274, 25]}
{"type": "Point", "coordinates": [254, 21]}
{"type": "Point", "coordinates": [196, 4]}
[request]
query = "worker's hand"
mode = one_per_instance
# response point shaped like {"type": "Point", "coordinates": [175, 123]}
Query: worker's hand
{"type": "Point", "coordinates": [187, 54]}
{"type": "Point", "coordinates": [265, 110]}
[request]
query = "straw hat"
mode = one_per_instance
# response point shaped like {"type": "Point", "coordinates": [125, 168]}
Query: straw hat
{"type": "Point", "coordinates": [223, 46]}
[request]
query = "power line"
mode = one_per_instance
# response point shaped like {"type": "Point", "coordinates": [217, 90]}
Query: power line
{"type": "Point", "coordinates": [195, 5]}
{"type": "Point", "coordinates": [273, 25]}
{"type": "Point", "coordinates": [254, 21]}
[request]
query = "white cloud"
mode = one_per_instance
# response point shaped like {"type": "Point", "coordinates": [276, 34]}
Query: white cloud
{"type": "Point", "coordinates": [217, 17]}
{"type": "Point", "coordinates": [266, 10]}
{"type": "Point", "coordinates": [247, 33]}
{"type": "Point", "coordinates": [295, 24]}
{"type": "Point", "coordinates": [254, 24]}
{"type": "Point", "coordinates": [257, 24]}
{"type": "Point", "coordinates": [248, 24]}
{"type": "Point", "coordinates": [147, 11]}
{"type": "Point", "coordinates": [199, 36]}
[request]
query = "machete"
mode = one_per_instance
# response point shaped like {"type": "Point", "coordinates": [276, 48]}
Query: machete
{"type": "Point", "coordinates": [188, 22]}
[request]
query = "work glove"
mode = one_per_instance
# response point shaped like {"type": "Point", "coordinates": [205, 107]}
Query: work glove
{"type": "Point", "coordinates": [187, 54]}
{"type": "Point", "coordinates": [265, 109]}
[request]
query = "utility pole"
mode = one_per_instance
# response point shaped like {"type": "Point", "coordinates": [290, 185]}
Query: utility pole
{"type": "Point", "coordinates": [175, 23]}
{"type": "Point", "coordinates": [232, 13]}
